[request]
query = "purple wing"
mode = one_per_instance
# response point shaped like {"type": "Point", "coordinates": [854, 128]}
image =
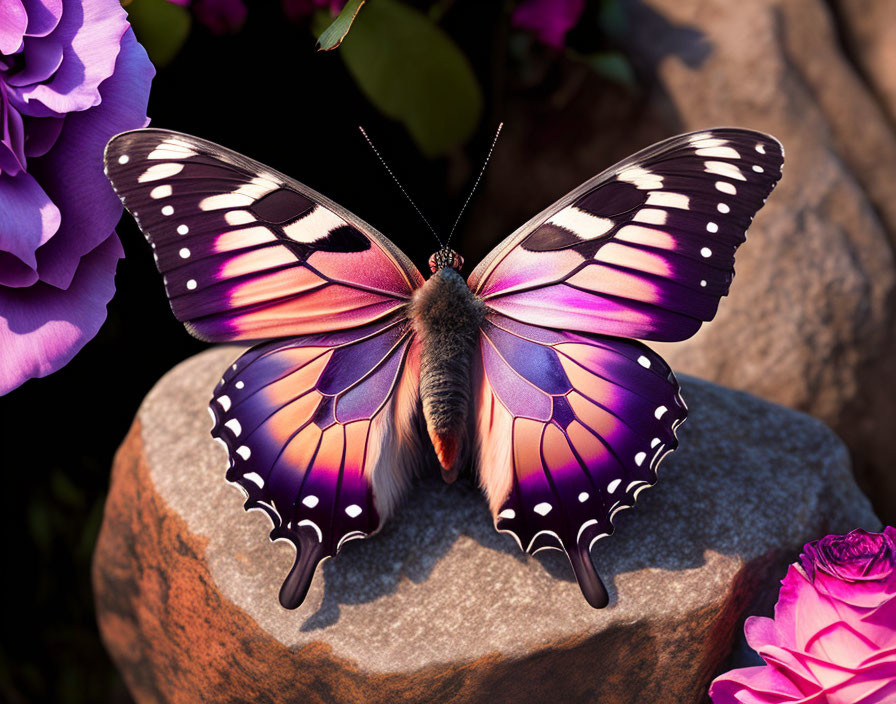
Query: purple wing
{"type": "Point", "coordinates": [571, 428]}
{"type": "Point", "coordinates": [644, 250]}
{"type": "Point", "coordinates": [246, 252]}
{"type": "Point", "coordinates": [321, 434]}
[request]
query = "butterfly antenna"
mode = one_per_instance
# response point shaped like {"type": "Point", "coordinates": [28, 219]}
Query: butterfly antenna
{"type": "Point", "coordinates": [401, 188]}
{"type": "Point", "coordinates": [475, 185]}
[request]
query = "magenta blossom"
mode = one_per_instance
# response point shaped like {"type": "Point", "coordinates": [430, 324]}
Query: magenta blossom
{"type": "Point", "coordinates": [833, 638]}
{"type": "Point", "coordinates": [220, 16]}
{"type": "Point", "coordinates": [72, 75]}
{"type": "Point", "coordinates": [548, 20]}
{"type": "Point", "coordinates": [297, 10]}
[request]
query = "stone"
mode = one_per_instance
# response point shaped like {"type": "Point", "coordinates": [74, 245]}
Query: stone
{"type": "Point", "coordinates": [439, 607]}
{"type": "Point", "coordinates": [810, 321]}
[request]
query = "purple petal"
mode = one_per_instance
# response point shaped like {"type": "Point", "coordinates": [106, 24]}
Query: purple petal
{"type": "Point", "coordinates": [42, 327]}
{"type": "Point", "coordinates": [42, 57]}
{"type": "Point", "coordinates": [12, 139]}
{"type": "Point", "coordinates": [90, 34]}
{"type": "Point", "coordinates": [43, 16]}
{"type": "Point", "coordinates": [29, 219]}
{"type": "Point", "coordinates": [13, 22]}
{"type": "Point", "coordinates": [72, 172]}
{"type": "Point", "coordinates": [41, 134]}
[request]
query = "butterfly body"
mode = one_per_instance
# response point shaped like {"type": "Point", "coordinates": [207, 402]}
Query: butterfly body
{"type": "Point", "coordinates": [446, 316]}
{"type": "Point", "coordinates": [531, 370]}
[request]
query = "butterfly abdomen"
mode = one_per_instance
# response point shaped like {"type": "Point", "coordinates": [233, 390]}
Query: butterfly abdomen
{"type": "Point", "coordinates": [446, 317]}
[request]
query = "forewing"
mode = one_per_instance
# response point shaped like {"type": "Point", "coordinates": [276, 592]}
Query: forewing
{"type": "Point", "coordinates": [645, 249]}
{"type": "Point", "coordinates": [321, 432]}
{"type": "Point", "coordinates": [246, 252]}
{"type": "Point", "coordinates": [571, 428]}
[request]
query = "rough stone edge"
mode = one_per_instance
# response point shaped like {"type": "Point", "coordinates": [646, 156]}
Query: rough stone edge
{"type": "Point", "coordinates": [151, 625]}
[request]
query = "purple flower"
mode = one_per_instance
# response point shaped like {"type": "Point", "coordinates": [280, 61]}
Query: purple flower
{"type": "Point", "coordinates": [72, 75]}
{"type": "Point", "coordinates": [833, 638]}
{"type": "Point", "coordinates": [548, 20]}
{"type": "Point", "coordinates": [297, 10]}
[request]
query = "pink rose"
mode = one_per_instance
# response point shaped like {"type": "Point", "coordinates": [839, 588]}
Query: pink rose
{"type": "Point", "coordinates": [833, 637]}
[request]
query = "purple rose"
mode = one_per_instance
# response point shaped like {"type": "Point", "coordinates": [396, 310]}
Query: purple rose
{"type": "Point", "coordinates": [548, 20]}
{"type": "Point", "coordinates": [72, 75]}
{"type": "Point", "coordinates": [833, 638]}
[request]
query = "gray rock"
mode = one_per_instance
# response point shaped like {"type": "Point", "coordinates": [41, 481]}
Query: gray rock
{"type": "Point", "coordinates": [438, 606]}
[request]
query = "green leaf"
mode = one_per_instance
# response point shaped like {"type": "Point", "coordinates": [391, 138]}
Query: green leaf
{"type": "Point", "coordinates": [414, 73]}
{"type": "Point", "coordinates": [613, 66]}
{"type": "Point", "coordinates": [161, 26]}
{"type": "Point", "coordinates": [333, 35]}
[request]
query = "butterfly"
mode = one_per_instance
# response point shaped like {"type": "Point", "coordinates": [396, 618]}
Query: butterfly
{"type": "Point", "coordinates": [531, 370]}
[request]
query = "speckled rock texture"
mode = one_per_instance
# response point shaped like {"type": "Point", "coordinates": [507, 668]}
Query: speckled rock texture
{"type": "Point", "coordinates": [439, 607]}
{"type": "Point", "coordinates": [810, 321]}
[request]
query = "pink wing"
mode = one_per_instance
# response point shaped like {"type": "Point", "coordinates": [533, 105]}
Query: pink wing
{"type": "Point", "coordinates": [321, 434]}
{"type": "Point", "coordinates": [645, 249]}
{"type": "Point", "coordinates": [246, 252]}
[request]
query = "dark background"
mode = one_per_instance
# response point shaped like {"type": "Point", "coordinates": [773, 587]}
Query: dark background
{"type": "Point", "coordinates": [266, 93]}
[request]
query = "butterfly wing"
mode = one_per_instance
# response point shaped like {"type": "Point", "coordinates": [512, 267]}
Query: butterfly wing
{"type": "Point", "coordinates": [321, 432]}
{"type": "Point", "coordinates": [246, 252]}
{"type": "Point", "coordinates": [573, 418]}
{"type": "Point", "coordinates": [571, 428]}
{"type": "Point", "coordinates": [643, 250]}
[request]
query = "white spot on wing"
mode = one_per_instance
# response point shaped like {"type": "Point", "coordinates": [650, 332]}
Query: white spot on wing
{"type": "Point", "coordinates": [353, 511]}
{"type": "Point", "coordinates": [613, 485]}
{"type": "Point", "coordinates": [582, 223]}
{"type": "Point", "coordinates": [712, 227]}
{"type": "Point", "coordinates": [723, 168]}
{"type": "Point", "coordinates": [234, 426]}
{"type": "Point", "coordinates": [167, 210]}
{"type": "Point", "coordinates": [723, 208]}
{"type": "Point", "coordinates": [184, 253]}
{"type": "Point", "coordinates": [584, 526]}
{"type": "Point", "coordinates": [758, 169]}
{"type": "Point", "coordinates": [310, 501]}
{"type": "Point", "coordinates": [583, 497]}
{"type": "Point", "coordinates": [239, 217]}
{"type": "Point", "coordinates": [760, 148]}
{"type": "Point", "coordinates": [644, 362]}
{"type": "Point", "coordinates": [182, 229]}
{"type": "Point", "coordinates": [705, 252]}
{"type": "Point", "coordinates": [124, 159]}
{"type": "Point", "coordinates": [254, 477]}
{"type": "Point", "coordinates": [651, 216]}
{"type": "Point", "coordinates": [244, 452]}
{"type": "Point", "coordinates": [654, 442]}
{"type": "Point", "coordinates": [225, 200]}
{"type": "Point", "coordinates": [641, 178]}
{"type": "Point", "coordinates": [306, 522]}
{"type": "Point", "coordinates": [726, 187]}
{"type": "Point", "coordinates": [660, 411]}
{"type": "Point", "coordinates": [668, 200]}
{"type": "Point", "coordinates": [224, 402]}
{"type": "Point", "coordinates": [719, 152]}
{"type": "Point", "coordinates": [160, 191]}
{"type": "Point", "coordinates": [160, 171]}
{"type": "Point", "coordinates": [703, 283]}
{"type": "Point", "coordinates": [507, 513]}
{"type": "Point", "coordinates": [317, 224]}
{"type": "Point", "coordinates": [191, 284]}
{"type": "Point", "coordinates": [542, 509]}
{"type": "Point", "coordinates": [640, 457]}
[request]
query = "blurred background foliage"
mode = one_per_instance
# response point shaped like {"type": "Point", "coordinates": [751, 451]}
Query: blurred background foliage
{"type": "Point", "coordinates": [427, 79]}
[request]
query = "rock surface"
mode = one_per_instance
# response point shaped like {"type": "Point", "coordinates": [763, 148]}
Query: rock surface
{"type": "Point", "coordinates": [810, 321]}
{"type": "Point", "coordinates": [439, 607]}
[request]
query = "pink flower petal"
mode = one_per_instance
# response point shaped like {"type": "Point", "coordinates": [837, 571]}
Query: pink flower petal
{"type": "Point", "coordinates": [29, 219]}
